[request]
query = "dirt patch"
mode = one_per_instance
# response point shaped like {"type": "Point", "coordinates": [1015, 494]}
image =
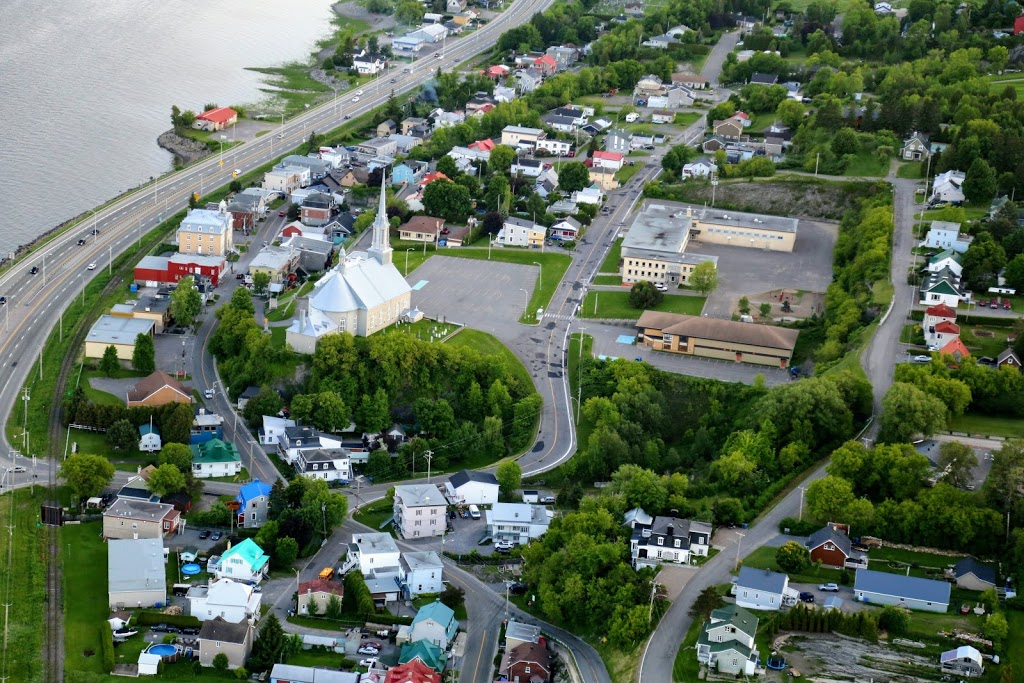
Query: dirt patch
{"type": "Point", "coordinates": [830, 658]}
{"type": "Point", "coordinates": [802, 304]}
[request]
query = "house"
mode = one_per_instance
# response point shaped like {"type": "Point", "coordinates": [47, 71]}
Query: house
{"type": "Point", "coordinates": [726, 641]}
{"type": "Point", "coordinates": [386, 128]}
{"type": "Point", "coordinates": [455, 6]}
{"type": "Point", "coordinates": [137, 489]}
{"type": "Point", "coordinates": [589, 195]}
{"type": "Point", "coordinates": [940, 334]}
{"type": "Point", "coordinates": [667, 539]}
{"type": "Point", "coordinates": [916, 147]}
{"type": "Point", "coordinates": [609, 160]}
{"type": "Point", "coordinates": [649, 85]}
{"type": "Point", "coordinates": [423, 651]}
{"type": "Point", "coordinates": [947, 258]}
{"type": "Point", "coordinates": [217, 118]}
{"type": "Point", "coordinates": [421, 229]}
{"type": "Point", "coordinates": [882, 588]}
{"type": "Point", "coordinates": [109, 330]}
{"type": "Point", "coordinates": [716, 338]}
{"type": "Point", "coordinates": [243, 398]}
{"type": "Point", "coordinates": [414, 671]}
{"type": "Point", "coordinates": [883, 8]}
{"type": "Point", "coordinates": [375, 553]}
{"type": "Point", "coordinates": [218, 636]}
{"type": "Point", "coordinates": [358, 175]}
{"type": "Point", "coordinates": [943, 287]}
{"type": "Point", "coordinates": [149, 439]}
{"type": "Point", "coordinates": [519, 232]}
{"type": "Point", "coordinates": [420, 510]}
{"type": "Point", "coordinates": [205, 426]}
{"type": "Point", "coordinates": [526, 662]}
{"type": "Point", "coordinates": [378, 146]}
{"type": "Point", "coordinates": [471, 487]}
{"type": "Point", "coordinates": [1018, 25]}
{"type": "Point", "coordinates": [947, 235]}
{"type": "Point", "coordinates": [973, 575]}
{"type": "Point", "coordinates": [759, 78]}
{"type": "Point", "coordinates": [661, 42]}
{"type": "Point", "coordinates": [368, 63]}
{"type": "Point", "coordinates": [253, 500]}
{"type": "Point", "coordinates": [314, 255]}
{"type": "Point", "coordinates": [136, 573]}
{"type": "Point", "coordinates": [129, 518]}
{"type": "Point", "coordinates": [529, 80]}
{"type": "Point", "coordinates": [963, 661]}
{"type": "Point", "coordinates": [700, 168]}
{"type": "Point", "coordinates": [243, 562]}
{"type": "Point", "coordinates": [1008, 357]}
{"type": "Point", "coordinates": [231, 601]}
{"type": "Point", "coordinates": [285, 179]}
{"type": "Point", "coordinates": [435, 623]}
{"type": "Point", "coordinates": [690, 81]}
{"type": "Point", "coordinates": [562, 148]}
{"type": "Point", "coordinates": [934, 315]}
{"type": "Point", "coordinates": [151, 271]}
{"type": "Point", "coordinates": [297, 438]}
{"type": "Point", "coordinates": [432, 33]}
{"type": "Point", "coordinates": [516, 522]}
{"type": "Point", "coordinates": [637, 517]}
{"type": "Point", "coordinates": [617, 141]}
{"type": "Point", "coordinates": [317, 592]}
{"type": "Point", "coordinates": [530, 168]}
{"type": "Point", "coordinates": [276, 262]}
{"type": "Point", "coordinates": [408, 172]}
{"type": "Point", "coordinates": [567, 228]}
{"type": "Point", "coordinates": [662, 116]}
{"type": "Point", "coordinates": [564, 55]}
{"type": "Point", "coordinates": [322, 463]}
{"type": "Point", "coordinates": [546, 65]}
{"type": "Point", "coordinates": [180, 501]}
{"type": "Point", "coordinates": [289, 673]}
{"type": "Point", "coordinates": [206, 232]}
{"type": "Point", "coordinates": [409, 44]}
{"type": "Point", "coordinates": [316, 209]}
{"type": "Point", "coordinates": [948, 187]}
{"type": "Point", "coordinates": [215, 458]}
{"type": "Point", "coordinates": [514, 136]}
{"type": "Point", "coordinates": [604, 179]}
{"type": "Point", "coordinates": [563, 207]}
{"type": "Point", "coordinates": [831, 547]}
{"type": "Point", "coordinates": [420, 573]}
{"type": "Point", "coordinates": [156, 308]}
{"type": "Point", "coordinates": [412, 123]}
{"type": "Point", "coordinates": [955, 348]}
{"type": "Point", "coordinates": [728, 129]}
{"type": "Point", "coordinates": [672, 98]}
{"type": "Point", "coordinates": [762, 589]}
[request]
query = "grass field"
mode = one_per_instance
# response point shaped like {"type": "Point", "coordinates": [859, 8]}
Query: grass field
{"type": "Point", "coordinates": [374, 514]}
{"type": "Point", "coordinates": [616, 305]}
{"type": "Point", "coordinates": [611, 261]}
{"type": "Point", "coordinates": [984, 341]}
{"type": "Point", "coordinates": [22, 559]}
{"type": "Point", "coordinates": [998, 83]}
{"type": "Point", "coordinates": [867, 164]}
{"type": "Point", "coordinates": [913, 170]}
{"type": "Point", "coordinates": [895, 561]}
{"type": "Point", "coordinates": [85, 595]}
{"type": "Point", "coordinates": [764, 558]}
{"type": "Point", "coordinates": [607, 280]}
{"type": "Point", "coordinates": [687, 118]}
{"type": "Point", "coordinates": [628, 172]}
{"type": "Point", "coordinates": [882, 292]}
{"type": "Point", "coordinates": [1015, 642]}
{"type": "Point", "coordinates": [685, 668]}
{"type": "Point", "coordinates": [988, 424]}
{"type": "Point", "coordinates": [583, 427]}
{"type": "Point", "coordinates": [489, 345]}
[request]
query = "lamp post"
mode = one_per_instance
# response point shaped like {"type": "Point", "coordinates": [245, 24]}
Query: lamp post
{"type": "Point", "coordinates": [526, 300]}
{"type": "Point", "coordinates": [801, 515]}
{"type": "Point", "coordinates": [540, 276]}
{"type": "Point", "coordinates": [407, 260]}
{"type": "Point", "coordinates": [739, 542]}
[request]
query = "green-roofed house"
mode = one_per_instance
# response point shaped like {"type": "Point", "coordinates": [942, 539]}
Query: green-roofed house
{"type": "Point", "coordinates": [215, 458]}
{"type": "Point", "coordinates": [428, 653]}
{"type": "Point", "coordinates": [946, 259]}
{"type": "Point", "coordinates": [727, 641]}
{"type": "Point", "coordinates": [245, 562]}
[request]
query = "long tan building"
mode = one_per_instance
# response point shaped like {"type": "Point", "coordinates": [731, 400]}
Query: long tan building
{"type": "Point", "coordinates": [714, 338]}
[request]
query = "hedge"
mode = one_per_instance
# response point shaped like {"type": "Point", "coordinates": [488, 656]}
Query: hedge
{"type": "Point", "coordinates": [107, 646]}
{"type": "Point", "coordinates": [794, 527]}
{"type": "Point", "coordinates": [151, 618]}
{"type": "Point", "coordinates": [973, 319]}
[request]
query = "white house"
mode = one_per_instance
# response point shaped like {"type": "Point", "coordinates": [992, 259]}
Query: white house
{"type": "Point", "coordinates": [519, 232]}
{"type": "Point", "coordinates": [420, 574]}
{"type": "Point", "coordinates": [883, 588]}
{"type": "Point", "coordinates": [561, 148]}
{"type": "Point", "coordinates": [589, 195]}
{"type": "Point", "coordinates": [947, 235]}
{"type": "Point", "coordinates": [328, 464]}
{"type": "Point", "coordinates": [667, 539]}
{"type": "Point", "coordinates": [420, 510]}
{"type": "Point", "coordinates": [962, 661]}
{"type": "Point", "coordinates": [215, 458]}
{"type": "Point", "coordinates": [517, 522]}
{"type": "Point", "coordinates": [726, 641]}
{"type": "Point", "coordinates": [375, 553]}
{"type": "Point", "coordinates": [470, 487]}
{"type": "Point", "coordinates": [762, 589]}
{"type": "Point", "coordinates": [368, 63]}
{"type": "Point", "coordinates": [700, 168]}
{"type": "Point", "coordinates": [530, 168]}
{"type": "Point", "coordinates": [948, 186]}
{"type": "Point", "coordinates": [149, 439]}
{"type": "Point", "coordinates": [227, 599]}
{"type": "Point", "coordinates": [945, 259]}
{"type": "Point", "coordinates": [434, 623]}
{"type": "Point", "coordinates": [244, 562]}
{"type": "Point", "coordinates": [943, 287]}
{"type": "Point", "coordinates": [272, 429]}
{"type": "Point", "coordinates": [612, 161]}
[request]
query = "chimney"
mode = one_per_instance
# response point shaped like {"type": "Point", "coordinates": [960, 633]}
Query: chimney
{"type": "Point", "coordinates": [670, 531]}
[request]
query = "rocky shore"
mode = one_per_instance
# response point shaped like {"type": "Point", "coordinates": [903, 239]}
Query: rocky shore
{"type": "Point", "coordinates": [185, 150]}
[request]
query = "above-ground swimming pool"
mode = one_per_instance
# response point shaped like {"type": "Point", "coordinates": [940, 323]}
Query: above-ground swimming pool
{"type": "Point", "coordinates": [164, 650]}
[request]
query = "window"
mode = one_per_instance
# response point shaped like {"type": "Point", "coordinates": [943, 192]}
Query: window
{"type": "Point", "coordinates": [677, 542]}
{"type": "Point", "coordinates": [315, 466]}
{"type": "Point", "coordinates": [419, 513]}
{"type": "Point", "coordinates": [433, 511]}
{"type": "Point", "coordinates": [661, 541]}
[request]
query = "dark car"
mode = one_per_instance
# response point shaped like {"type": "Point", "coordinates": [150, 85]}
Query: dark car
{"type": "Point", "coordinates": [204, 534]}
{"type": "Point", "coordinates": [35, 269]}
{"type": "Point", "coordinates": [3, 300]}
{"type": "Point", "coordinates": [95, 231]}
{"type": "Point", "coordinates": [190, 631]}
{"type": "Point", "coordinates": [240, 276]}
{"type": "Point", "coordinates": [81, 242]}
{"type": "Point", "coordinates": [159, 628]}
{"type": "Point", "coordinates": [216, 536]}
{"type": "Point", "coordinates": [516, 588]}
{"type": "Point", "coordinates": [806, 597]}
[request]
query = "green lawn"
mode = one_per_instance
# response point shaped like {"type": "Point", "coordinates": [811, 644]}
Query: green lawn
{"type": "Point", "coordinates": [984, 341]}
{"type": "Point", "coordinates": [687, 118]}
{"type": "Point", "coordinates": [489, 345]}
{"type": "Point", "coordinates": [867, 164]}
{"type": "Point", "coordinates": [611, 261]}
{"type": "Point", "coordinates": [913, 170]}
{"type": "Point", "coordinates": [85, 595]}
{"type": "Point", "coordinates": [911, 334]}
{"type": "Point", "coordinates": [628, 172]}
{"type": "Point", "coordinates": [971, 213]}
{"type": "Point", "coordinates": [639, 153]}
{"type": "Point", "coordinates": [608, 280]}
{"type": "Point", "coordinates": [102, 397]}
{"type": "Point", "coordinates": [424, 329]}
{"type": "Point", "coordinates": [1015, 642]}
{"type": "Point", "coordinates": [412, 259]}
{"type": "Point", "coordinates": [374, 514]}
{"type": "Point", "coordinates": [998, 83]}
{"type": "Point", "coordinates": [583, 427]}
{"type": "Point", "coordinates": [27, 592]}
{"type": "Point", "coordinates": [553, 269]}
{"type": "Point", "coordinates": [988, 424]}
{"type": "Point", "coordinates": [764, 558]}
{"type": "Point", "coordinates": [882, 292]}
{"type": "Point", "coordinates": [895, 560]}
{"type": "Point", "coordinates": [616, 305]}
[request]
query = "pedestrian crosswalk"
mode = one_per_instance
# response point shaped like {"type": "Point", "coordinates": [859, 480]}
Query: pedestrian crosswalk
{"type": "Point", "coordinates": [559, 316]}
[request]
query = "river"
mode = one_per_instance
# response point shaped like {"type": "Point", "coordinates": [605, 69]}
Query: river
{"type": "Point", "coordinates": [86, 86]}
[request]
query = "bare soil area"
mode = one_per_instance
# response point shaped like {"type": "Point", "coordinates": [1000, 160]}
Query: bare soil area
{"type": "Point", "coordinates": [834, 658]}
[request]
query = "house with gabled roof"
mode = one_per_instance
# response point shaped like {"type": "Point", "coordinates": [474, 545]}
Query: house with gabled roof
{"type": "Point", "coordinates": [149, 439]}
{"type": "Point", "coordinates": [317, 592]}
{"type": "Point", "coordinates": [726, 641]}
{"type": "Point", "coordinates": [762, 589]}
{"type": "Point", "coordinates": [955, 348]}
{"type": "Point", "coordinates": [941, 334]}
{"type": "Point", "coordinates": [435, 623]}
{"type": "Point", "coordinates": [157, 389]}
{"type": "Point", "coordinates": [526, 662]}
{"type": "Point", "coordinates": [667, 539]}
{"type": "Point", "coordinates": [253, 500]}
{"type": "Point", "coordinates": [948, 187]}
{"type": "Point", "coordinates": [943, 287]}
{"type": "Point", "coordinates": [948, 258]}
{"type": "Point", "coordinates": [424, 651]}
{"type": "Point", "coordinates": [413, 671]}
{"type": "Point", "coordinates": [883, 588]}
{"type": "Point", "coordinates": [215, 458]}
{"type": "Point", "coordinates": [916, 147]}
{"type": "Point", "coordinates": [472, 487]}
{"type": "Point", "coordinates": [245, 562]}
{"type": "Point", "coordinates": [973, 575]}
{"type": "Point", "coordinates": [947, 235]}
{"type": "Point", "coordinates": [831, 546]}
{"type": "Point", "coordinates": [1008, 357]}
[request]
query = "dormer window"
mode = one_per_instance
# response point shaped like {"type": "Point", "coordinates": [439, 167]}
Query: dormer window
{"type": "Point", "coordinates": [661, 541]}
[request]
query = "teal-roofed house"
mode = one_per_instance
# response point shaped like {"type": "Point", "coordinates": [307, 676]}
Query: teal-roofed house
{"type": "Point", "coordinates": [245, 562]}
{"type": "Point", "coordinates": [434, 623]}
{"type": "Point", "coordinates": [429, 654]}
{"type": "Point", "coordinates": [215, 458]}
{"type": "Point", "coordinates": [726, 641]}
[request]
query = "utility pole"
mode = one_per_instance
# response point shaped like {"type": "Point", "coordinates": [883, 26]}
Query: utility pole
{"type": "Point", "coordinates": [802, 489]}
{"type": "Point", "coordinates": [739, 542]}
{"type": "Point", "coordinates": [650, 608]}
{"type": "Point", "coordinates": [429, 455]}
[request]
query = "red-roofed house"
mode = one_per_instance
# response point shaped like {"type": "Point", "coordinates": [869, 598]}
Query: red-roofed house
{"type": "Point", "coordinates": [1018, 25]}
{"type": "Point", "coordinates": [482, 109]}
{"type": "Point", "coordinates": [319, 592]}
{"type": "Point", "coordinates": [956, 349]}
{"type": "Point", "coordinates": [485, 145]}
{"type": "Point", "coordinates": [497, 71]}
{"type": "Point", "coordinates": [216, 119]}
{"type": "Point", "coordinates": [744, 117]}
{"type": "Point", "coordinates": [431, 177]}
{"type": "Point", "coordinates": [933, 316]}
{"type": "Point", "coordinates": [413, 672]}
{"type": "Point", "coordinates": [609, 160]}
{"type": "Point", "coordinates": [546, 64]}
{"type": "Point", "coordinates": [942, 334]}
{"type": "Point", "coordinates": [292, 229]}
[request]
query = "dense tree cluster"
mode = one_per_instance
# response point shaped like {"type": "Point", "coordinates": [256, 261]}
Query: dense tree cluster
{"type": "Point", "coordinates": [301, 511]}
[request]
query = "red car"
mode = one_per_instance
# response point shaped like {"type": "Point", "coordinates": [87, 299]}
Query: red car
{"type": "Point", "coordinates": [982, 303]}
{"type": "Point", "coordinates": [282, 214]}
{"type": "Point", "coordinates": [1006, 305]}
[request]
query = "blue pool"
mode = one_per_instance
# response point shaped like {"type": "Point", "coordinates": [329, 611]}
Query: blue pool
{"type": "Point", "coordinates": [163, 650]}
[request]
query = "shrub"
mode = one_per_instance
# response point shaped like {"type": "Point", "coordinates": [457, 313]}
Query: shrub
{"type": "Point", "coordinates": [220, 662]}
{"type": "Point", "coordinates": [107, 646]}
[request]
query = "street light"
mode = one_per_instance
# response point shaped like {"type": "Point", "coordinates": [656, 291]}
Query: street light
{"type": "Point", "coordinates": [526, 300]}
{"type": "Point", "coordinates": [407, 260]}
{"type": "Point", "coordinates": [540, 276]}
{"type": "Point", "coordinates": [739, 542]}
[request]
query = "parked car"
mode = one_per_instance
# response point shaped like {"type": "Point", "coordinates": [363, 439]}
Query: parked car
{"type": "Point", "coordinates": [239, 276]}
{"type": "Point", "coordinates": [806, 596]}
{"type": "Point", "coordinates": [204, 534]}
{"type": "Point", "coordinates": [993, 304]}
{"type": "Point", "coordinates": [208, 393]}
{"type": "Point", "coordinates": [1006, 305]}
{"type": "Point", "coordinates": [503, 546]}
{"type": "Point", "coordinates": [367, 650]}
{"type": "Point", "coordinates": [159, 628]}
{"type": "Point", "coordinates": [982, 303]}
{"type": "Point", "coordinates": [516, 588]}
{"type": "Point", "coordinates": [548, 499]}
{"type": "Point", "coordinates": [3, 300]}
{"type": "Point", "coordinates": [368, 663]}
{"type": "Point", "coordinates": [216, 536]}
{"type": "Point", "coordinates": [829, 588]}
{"type": "Point", "coordinates": [282, 214]}
{"type": "Point", "coordinates": [921, 359]}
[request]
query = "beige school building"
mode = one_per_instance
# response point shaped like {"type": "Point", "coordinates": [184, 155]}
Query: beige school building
{"type": "Point", "coordinates": [714, 338]}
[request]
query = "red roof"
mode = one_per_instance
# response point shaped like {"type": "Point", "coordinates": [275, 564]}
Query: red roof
{"type": "Point", "coordinates": [946, 326]}
{"type": "Point", "coordinates": [485, 145]}
{"type": "Point", "coordinates": [413, 672]}
{"type": "Point", "coordinates": [431, 177]}
{"type": "Point", "coordinates": [941, 311]}
{"type": "Point", "coordinates": [610, 156]}
{"type": "Point", "coordinates": [497, 70]}
{"type": "Point", "coordinates": [741, 115]}
{"type": "Point", "coordinates": [218, 115]}
{"type": "Point", "coordinates": [321, 586]}
{"type": "Point", "coordinates": [1018, 25]}
{"type": "Point", "coordinates": [547, 60]}
{"type": "Point", "coordinates": [955, 347]}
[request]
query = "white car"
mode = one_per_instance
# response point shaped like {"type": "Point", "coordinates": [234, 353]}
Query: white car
{"type": "Point", "coordinates": [18, 469]}
{"type": "Point", "coordinates": [829, 588]}
{"type": "Point", "coordinates": [238, 171]}
{"type": "Point", "coordinates": [921, 359]}
{"type": "Point", "coordinates": [359, 92]}
{"type": "Point", "coordinates": [368, 663]}
{"type": "Point", "coordinates": [280, 136]}
{"type": "Point", "coordinates": [367, 650]}
{"type": "Point", "coordinates": [91, 266]}
{"type": "Point", "coordinates": [208, 393]}
{"type": "Point", "coordinates": [355, 99]}
{"type": "Point", "coordinates": [503, 545]}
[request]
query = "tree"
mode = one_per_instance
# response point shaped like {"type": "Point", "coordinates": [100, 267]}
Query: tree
{"type": "Point", "coordinates": [640, 487]}
{"type": "Point", "coordinates": [453, 596]}
{"type": "Point", "coordinates": [109, 364]}
{"type": "Point", "coordinates": [269, 645]}
{"type": "Point", "coordinates": [573, 176]}
{"type": "Point", "coordinates": [791, 113]}
{"type": "Point", "coordinates": [447, 200]}
{"type": "Point", "coordinates": [166, 479]}
{"type": "Point", "coordinates": [704, 278]}
{"type": "Point", "coordinates": [996, 628]}
{"type": "Point", "coordinates": [644, 295]}
{"type": "Point", "coordinates": [828, 497]}
{"type": "Point", "coordinates": [122, 436]}
{"type": "Point", "coordinates": [845, 141]}
{"type": "Point", "coordinates": [792, 557]}
{"type": "Point", "coordinates": [286, 551]}
{"type": "Point", "coordinates": [894, 620]}
{"type": "Point", "coordinates": [1014, 273]}
{"type": "Point", "coordinates": [984, 260]}
{"type": "Point", "coordinates": [707, 602]}
{"type": "Point", "coordinates": [907, 411]}
{"type": "Point", "coordinates": [333, 608]}
{"type": "Point", "coordinates": [676, 158]}
{"type": "Point", "coordinates": [186, 302]}
{"type": "Point", "coordinates": [374, 412]}
{"type": "Point", "coordinates": [144, 353]}
{"type": "Point", "coordinates": [765, 310]}
{"type": "Point", "coordinates": [510, 476]}
{"type": "Point", "coordinates": [176, 427]}
{"type": "Point", "coordinates": [87, 475]}
{"type": "Point", "coordinates": [176, 454]}
{"type": "Point", "coordinates": [294, 211]}
{"type": "Point", "coordinates": [447, 165]}
{"type": "Point", "coordinates": [266, 402]}
{"type": "Point", "coordinates": [957, 463]}
{"type": "Point", "coordinates": [260, 282]}
{"type": "Point", "coordinates": [500, 160]}
{"type": "Point", "coordinates": [980, 184]}
{"type": "Point", "coordinates": [744, 305]}
{"type": "Point", "coordinates": [220, 662]}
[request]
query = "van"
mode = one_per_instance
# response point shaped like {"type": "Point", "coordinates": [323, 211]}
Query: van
{"type": "Point", "coordinates": [474, 512]}
{"type": "Point", "coordinates": [327, 573]}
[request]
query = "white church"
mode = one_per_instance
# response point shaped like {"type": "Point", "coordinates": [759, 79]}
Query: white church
{"type": "Point", "coordinates": [364, 293]}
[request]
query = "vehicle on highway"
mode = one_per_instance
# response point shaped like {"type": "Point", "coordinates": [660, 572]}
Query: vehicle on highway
{"type": "Point", "coordinates": [91, 266]}
{"type": "Point", "coordinates": [216, 536]}
{"type": "Point", "coordinates": [18, 469]}
{"type": "Point", "coordinates": [3, 300]}
{"type": "Point", "coordinates": [439, 55]}
{"type": "Point", "coordinates": [35, 269]}
{"type": "Point", "coordinates": [282, 214]}
{"type": "Point", "coordinates": [208, 393]}
{"type": "Point", "coordinates": [806, 596]}
{"type": "Point", "coordinates": [407, 70]}
{"type": "Point", "coordinates": [359, 92]}
{"type": "Point", "coordinates": [355, 99]}
{"type": "Point", "coordinates": [280, 136]}
{"type": "Point", "coordinates": [81, 242]}
{"type": "Point", "coordinates": [237, 171]}
{"type": "Point", "coordinates": [921, 359]}
{"type": "Point", "coordinates": [95, 231]}
{"type": "Point", "coordinates": [367, 650]}
{"type": "Point", "coordinates": [347, 117]}
{"type": "Point", "coordinates": [829, 588]}
{"type": "Point", "coordinates": [204, 534]}
{"type": "Point", "coordinates": [394, 80]}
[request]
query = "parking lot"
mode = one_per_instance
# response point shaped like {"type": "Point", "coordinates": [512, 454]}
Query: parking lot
{"type": "Point", "coordinates": [490, 293]}
{"type": "Point", "coordinates": [748, 272]}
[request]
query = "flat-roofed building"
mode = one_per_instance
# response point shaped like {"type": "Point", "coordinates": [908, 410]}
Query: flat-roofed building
{"type": "Point", "coordinates": [116, 331]}
{"type": "Point", "coordinates": [714, 338]}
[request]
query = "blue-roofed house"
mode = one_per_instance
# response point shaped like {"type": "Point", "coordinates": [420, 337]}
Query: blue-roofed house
{"type": "Point", "coordinates": [253, 500]}
{"type": "Point", "coordinates": [435, 623]}
{"type": "Point", "coordinates": [762, 589]}
{"type": "Point", "coordinates": [882, 588]}
{"type": "Point", "coordinates": [426, 652]}
{"type": "Point", "coordinates": [149, 439]}
{"type": "Point", "coordinates": [245, 562]}
{"type": "Point", "coordinates": [973, 575]}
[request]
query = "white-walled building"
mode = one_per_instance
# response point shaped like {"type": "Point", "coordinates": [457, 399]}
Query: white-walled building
{"type": "Point", "coordinates": [470, 487]}
{"type": "Point", "coordinates": [421, 574]}
{"type": "Point", "coordinates": [375, 553]}
{"type": "Point", "coordinates": [517, 522]}
{"type": "Point", "coordinates": [420, 510]}
{"type": "Point", "coordinates": [227, 599]}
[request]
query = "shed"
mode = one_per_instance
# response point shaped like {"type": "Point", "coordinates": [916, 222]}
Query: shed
{"type": "Point", "coordinates": [882, 588]}
{"type": "Point", "coordinates": [973, 575]}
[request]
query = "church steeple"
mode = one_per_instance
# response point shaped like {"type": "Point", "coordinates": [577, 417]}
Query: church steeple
{"type": "Point", "coordinates": [380, 248]}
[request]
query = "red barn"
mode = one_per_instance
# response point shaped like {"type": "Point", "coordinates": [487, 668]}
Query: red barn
{"type": "Point", "coordinates": [830, 546]}
{"type": "Point", "coordinates": [216, 119]}
{"type": "Point", "coordinates": [168, 270]}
